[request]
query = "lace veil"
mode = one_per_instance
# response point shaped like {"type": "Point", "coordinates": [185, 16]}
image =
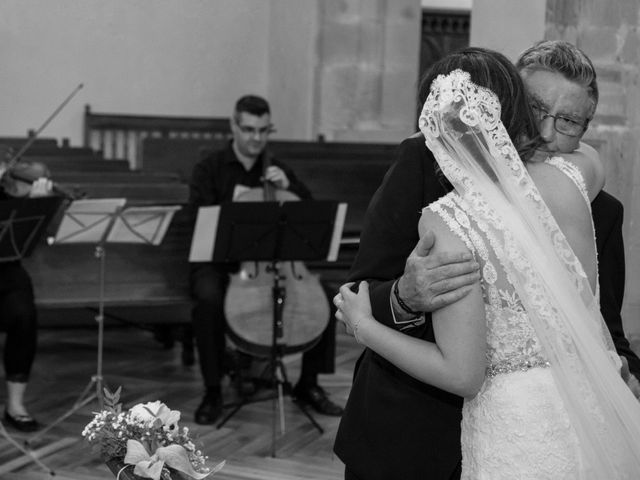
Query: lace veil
{"type": "Point", "coordinates": [462, 127]}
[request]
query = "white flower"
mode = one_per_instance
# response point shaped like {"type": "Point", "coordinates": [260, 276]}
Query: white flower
{"type": "Point", "coordinates": [150, 411]}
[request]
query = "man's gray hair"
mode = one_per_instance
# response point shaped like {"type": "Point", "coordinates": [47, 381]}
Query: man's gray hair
{"type": "Point", "coordinates": [564, 58]}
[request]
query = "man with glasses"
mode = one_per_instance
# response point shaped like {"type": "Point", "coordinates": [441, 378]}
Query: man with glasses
{"type": "Point", "coordinates": [561, 81]}
{"type": "Point", "coordinates": [223, 176]}
{"type": "Point", "coordinates": [407, 281]}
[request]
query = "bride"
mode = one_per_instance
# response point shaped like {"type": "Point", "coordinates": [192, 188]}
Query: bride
{"type": "Point", "coordinates": [528, 348]}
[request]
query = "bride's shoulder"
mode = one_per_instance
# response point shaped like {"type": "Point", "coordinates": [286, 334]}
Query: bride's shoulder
{"type": "Point", "coordinates": [588, 162]}
{"type": "Point", "coordinates": [447, 220]}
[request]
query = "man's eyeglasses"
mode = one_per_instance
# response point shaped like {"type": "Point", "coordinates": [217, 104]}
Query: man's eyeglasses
{"type": "Point", "coordinates": [563, 125]}
{"type": "Point", "coordinates": [251, 131]}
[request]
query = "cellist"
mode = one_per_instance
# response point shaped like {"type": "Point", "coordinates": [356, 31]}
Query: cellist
{"type": "Point", "coordinates": [17, 305]}
{"type": "Point", "coordinates": [222, 176]}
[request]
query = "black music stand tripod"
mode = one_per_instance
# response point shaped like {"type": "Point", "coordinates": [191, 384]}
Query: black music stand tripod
{"type": "Point", "coordinates": [103, 221]}
{"type": "Point", "coordinates": [23, 223]}
{"type": "Point", "coordinates": [276, 232]}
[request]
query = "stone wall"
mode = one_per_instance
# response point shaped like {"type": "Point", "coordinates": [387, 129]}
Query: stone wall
{"type": "Point", "coordinates": [367, 69]}
{"type": "Point", "coordinates": [609, 32]}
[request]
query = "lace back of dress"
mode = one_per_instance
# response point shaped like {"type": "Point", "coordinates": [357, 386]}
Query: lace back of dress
{"type": "Point", "coordinates": [462, 127]}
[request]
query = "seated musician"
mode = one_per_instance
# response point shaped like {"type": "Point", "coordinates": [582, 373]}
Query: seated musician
{"type": "Point", "coordinates": [217, 178]}
{"type": "Point", "coordinates": [17, 310]}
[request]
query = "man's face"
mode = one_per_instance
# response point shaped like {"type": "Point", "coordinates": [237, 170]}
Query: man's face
{"type": "Point", "coordinates": [250, 133]}
{"type": "Point", "coordinates": [569, 102]}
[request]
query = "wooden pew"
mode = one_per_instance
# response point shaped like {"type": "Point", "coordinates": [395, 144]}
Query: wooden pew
{"type": "Point", "coordinates": [16, 143]}
{"type": "Point", "coordinates": [79, 164]}
{"type": "Point", "coordinates": [140, 276]}
{"type": "Point", "coordinates": [346, 172]}
{"type": "Point", "coordinates": [144, 284]}
{"type": "Point", "coordinates": [120, 135]}
{"type": "Point", "coordinates": [116, 177]}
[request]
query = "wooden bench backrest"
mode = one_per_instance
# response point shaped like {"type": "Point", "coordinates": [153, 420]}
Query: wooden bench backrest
{"type": "Point", "coordinates": [120, 135]}
{"type": "Point", "coordinates": [68, 275]}
{"type": "Point", "coordinates": [349, 172]}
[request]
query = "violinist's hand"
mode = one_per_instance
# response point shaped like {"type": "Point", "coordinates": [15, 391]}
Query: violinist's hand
{"type": "Point", "coordinates": [354, 309]}
{"type": "Point", "coordinates": [41, 188]}
{"type": "Point", "coordinates": [277, 176]}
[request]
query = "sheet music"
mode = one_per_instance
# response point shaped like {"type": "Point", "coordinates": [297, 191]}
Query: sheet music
{"type": "Point", "coordinates": [204, 234]}
{"type": "Point", "coordinates": [341, 214]}
{"type": "Point", "coordinates": [142, 224]}
{"type": "Point", "coordinates": [86, 221]}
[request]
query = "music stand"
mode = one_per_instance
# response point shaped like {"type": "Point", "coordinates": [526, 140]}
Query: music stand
{"type": "Point", "coordinates": [102, 221]}
{"type": "Point", "coordinates": [272, 232]}
{"type": "Point", "coordinates": [23, 221]}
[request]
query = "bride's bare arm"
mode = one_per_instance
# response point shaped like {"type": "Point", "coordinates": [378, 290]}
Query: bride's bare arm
{"type": "Point", "coordinates": [456, 362]}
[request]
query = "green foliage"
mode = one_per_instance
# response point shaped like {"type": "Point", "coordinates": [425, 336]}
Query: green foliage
{"type": "Point", "coordinates": [112, 400]}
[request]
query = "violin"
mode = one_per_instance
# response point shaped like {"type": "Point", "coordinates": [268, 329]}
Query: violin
{"type": "Point", "coordinates": [18, 181]}
{"type": "Point", "coordinates": [17, 178]}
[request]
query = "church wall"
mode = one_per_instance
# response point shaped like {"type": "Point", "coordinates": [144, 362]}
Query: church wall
{"type": "Point", "coordinates": [342, 69]}
{"type": "Point", "coordinates": [508, 26]}
{"type": "Point", "coordinates": [186, 57]}
{"type": "Point", "coordinates": [609, 32]}
{"type": "Point", "coordinates": [367, 70]}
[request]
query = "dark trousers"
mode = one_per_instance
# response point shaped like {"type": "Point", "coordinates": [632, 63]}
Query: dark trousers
{"type": "Point", "coordinates": [18, 319]}
{"type": "Point", "coordinates": [209, 285]}
{"type": "Point", "coordinates": [349, 475]}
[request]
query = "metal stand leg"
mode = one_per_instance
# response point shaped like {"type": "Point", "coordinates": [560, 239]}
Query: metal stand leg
{"type": "Point", "coordinates": [24, 451]}
{"type": "Point", "coordinates": [279, 379]}
{"type": "Point", "coordinates": [96, 382]}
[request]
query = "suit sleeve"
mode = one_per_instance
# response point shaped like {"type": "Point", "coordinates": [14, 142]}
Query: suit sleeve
{"type": "Point", "coordinates": [611, 274]}
{"type": "Point", "coordinates": [390, 229]}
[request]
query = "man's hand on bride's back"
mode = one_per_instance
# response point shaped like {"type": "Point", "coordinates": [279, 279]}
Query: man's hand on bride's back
{"type": "Point", "coordinates": [434, 280]}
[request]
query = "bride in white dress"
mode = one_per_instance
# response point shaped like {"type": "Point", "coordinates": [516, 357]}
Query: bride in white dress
{"type": "Point", "coordinates": [527, 348]}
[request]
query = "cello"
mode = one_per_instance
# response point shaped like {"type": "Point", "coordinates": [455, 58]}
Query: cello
{"type": "Point", "coordinates": [280, 294]}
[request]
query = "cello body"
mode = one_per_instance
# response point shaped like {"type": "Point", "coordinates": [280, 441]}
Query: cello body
{"type": "Point", "coordinates": [252, 304]}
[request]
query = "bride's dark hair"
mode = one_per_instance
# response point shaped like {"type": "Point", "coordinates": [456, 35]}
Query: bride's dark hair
{"type": "Point", "coordinates": [494, 71]}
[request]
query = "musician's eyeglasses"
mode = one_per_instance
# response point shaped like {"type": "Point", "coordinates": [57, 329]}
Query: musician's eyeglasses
{"type": "Point", "coordinates": [561, 124]}
{"type": "Point", "coordinates": [252, 131]}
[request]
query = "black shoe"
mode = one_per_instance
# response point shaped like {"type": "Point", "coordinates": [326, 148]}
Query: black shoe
{"type": "Point", "coordinates": [209, 410]}
{"type": "Point", "coordinates": [318, 399]}
{"type": "Point", "coordinates": [24, 423]}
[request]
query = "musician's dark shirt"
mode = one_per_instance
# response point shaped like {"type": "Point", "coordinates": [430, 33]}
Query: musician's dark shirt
{"type": "Point", "coordinates": [216, 177]}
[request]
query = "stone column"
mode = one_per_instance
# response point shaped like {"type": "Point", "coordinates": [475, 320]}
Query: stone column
{"type": "Point", "coordinates": [366, 75]}
{"type": "Point", "coordinates": [608, 31]}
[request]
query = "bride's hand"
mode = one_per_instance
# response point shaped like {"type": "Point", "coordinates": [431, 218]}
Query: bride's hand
{"type": "Point", "coordinates": [353, 308]}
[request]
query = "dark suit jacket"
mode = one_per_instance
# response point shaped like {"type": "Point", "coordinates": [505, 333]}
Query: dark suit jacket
{"type": "Point", "coordinates": [395, 427]}
{"type": "Point", "coordinates": [607, 216]}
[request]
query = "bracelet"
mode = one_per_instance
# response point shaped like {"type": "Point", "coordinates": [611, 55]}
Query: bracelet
{"type": "Point", "coordinates": [403, 306]}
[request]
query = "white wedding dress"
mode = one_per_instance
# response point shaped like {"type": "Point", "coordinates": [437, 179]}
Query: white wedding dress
{"type": "Point", "coordinates": [553, 405]}
{"type": "Point", "coordinates": [517, 426]}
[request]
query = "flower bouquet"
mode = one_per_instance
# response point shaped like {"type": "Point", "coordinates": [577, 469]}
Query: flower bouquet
{"type": "Point", "coordinates": [147, 439]}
